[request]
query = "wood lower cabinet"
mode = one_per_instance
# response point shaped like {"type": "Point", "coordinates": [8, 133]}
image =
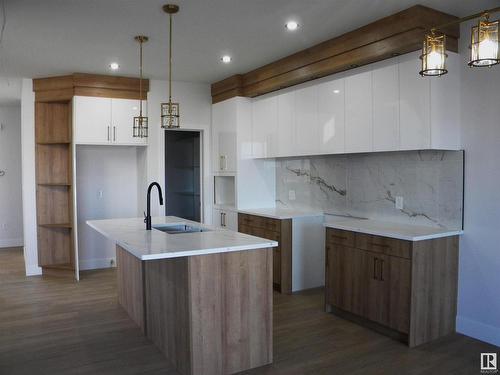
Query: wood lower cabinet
{"type": "Point", "coordinates": [275, 230]}
{"type": "Point", "coordinates": [407, 289]}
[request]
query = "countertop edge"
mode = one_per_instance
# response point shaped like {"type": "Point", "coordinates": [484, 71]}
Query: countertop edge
{"type": "Point", "coordinates": [394, 234]}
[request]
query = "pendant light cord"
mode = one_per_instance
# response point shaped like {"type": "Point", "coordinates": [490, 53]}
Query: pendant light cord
{"type": "Point", "coordinates": [170, 69]}
{"type": "Point", "coordinates": [140, 80]}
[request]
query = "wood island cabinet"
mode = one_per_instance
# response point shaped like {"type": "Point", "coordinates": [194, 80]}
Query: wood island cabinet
{"type": "Point", "coordinates": [402, 288]}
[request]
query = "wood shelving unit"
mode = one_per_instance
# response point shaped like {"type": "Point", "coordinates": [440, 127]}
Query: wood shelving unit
{"type": "Point", "coordinates": [54, 176]}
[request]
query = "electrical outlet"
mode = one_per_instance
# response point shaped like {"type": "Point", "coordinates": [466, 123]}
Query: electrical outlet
{"type": "Point", "coordinates": [291, 195]}
{"type": "Point", "coordinates": [112, 262]}
{"type": "Point", "coordinates": [399, 203]}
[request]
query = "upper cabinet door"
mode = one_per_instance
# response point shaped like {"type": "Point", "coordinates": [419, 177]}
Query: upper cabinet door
{"type": "Point", "coordinates": [306, 126]}
{"type": "Point", "coordinates": [92, 120]}
{"type": "Point", "coordinates": [331, 116]}
{"type": "Point", "coordinates": [359, 113]}
{"type": "Point", "coordinates": [286, 119]}
{"type": "Point", "coordinates": [414, 105]}
{"type": "Point", "coordinates": [386, 107]}
{"type": "Point", "coordinates": [264, 127]}
{"type": "Point", "coordinates": [123, 112]}
{"type": "Point", "coordinates": [224, 148]}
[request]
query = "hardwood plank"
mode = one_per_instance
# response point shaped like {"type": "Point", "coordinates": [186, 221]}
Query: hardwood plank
{"type": "Point", "coordinates": [50, 326]}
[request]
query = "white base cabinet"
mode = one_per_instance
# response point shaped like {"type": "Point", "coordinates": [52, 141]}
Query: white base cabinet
{"type": "Point", "coordinates": [106, 121]}
{"type": "Point", "coordinates": [385, 106]}
{"type": "Point", "coordinates": [224, 218]}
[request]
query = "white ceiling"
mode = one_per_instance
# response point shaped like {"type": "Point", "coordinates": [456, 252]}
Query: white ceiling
{"type": "Point", "coordinates": [53, 37]}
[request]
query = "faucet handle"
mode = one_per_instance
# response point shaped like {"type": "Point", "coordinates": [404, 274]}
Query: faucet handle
{"type": "Point", "coordinates": [144, 212]}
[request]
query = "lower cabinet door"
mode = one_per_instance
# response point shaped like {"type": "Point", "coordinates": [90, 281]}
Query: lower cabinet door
{"type": "Point", "coordinates": [346, 281]}
{"type": "Point", "coordinates": [378, 291]}
{"type": "Point", "coordinates": [399, 284]}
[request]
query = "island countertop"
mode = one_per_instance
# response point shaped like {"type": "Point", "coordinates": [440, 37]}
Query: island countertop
{"type": "Point", "coordinates": [132, 235]}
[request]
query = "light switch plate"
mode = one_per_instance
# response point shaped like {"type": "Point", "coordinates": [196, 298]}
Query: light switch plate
{"type": "Point", "coordinates": [291, 195]}
{"type": "Point", "coordinates": [399, 203]}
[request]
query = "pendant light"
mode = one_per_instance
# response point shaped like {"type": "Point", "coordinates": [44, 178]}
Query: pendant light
{"type": "Point", "coordinates": [484, 49]}
{"type": "Point", "coordinates": [140, 129]}
{"type": "Point", "coordinates": [170, 111]}
{"type": "Point", "coordinates": [434, 55]}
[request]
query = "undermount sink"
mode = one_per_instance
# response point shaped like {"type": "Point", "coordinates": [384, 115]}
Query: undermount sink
{"type": "Point", "coordinates": [179, 228]}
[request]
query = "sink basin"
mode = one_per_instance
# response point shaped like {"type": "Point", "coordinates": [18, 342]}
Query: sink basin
{"type": "Point", "coordinates": [179, 228]}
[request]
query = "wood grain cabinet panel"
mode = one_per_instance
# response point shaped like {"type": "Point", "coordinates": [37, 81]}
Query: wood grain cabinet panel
{"type": "Point", "coordinates": [275, 230]}
{"type": "Point", "coordinates": [405, 289]}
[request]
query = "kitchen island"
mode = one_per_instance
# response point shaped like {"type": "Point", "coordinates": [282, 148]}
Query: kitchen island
{"type": "Point", "coordinates": [203, 295]}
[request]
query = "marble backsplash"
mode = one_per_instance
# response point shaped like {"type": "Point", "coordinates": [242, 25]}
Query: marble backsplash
{"type": "Point", "coordinates": [366, 185]}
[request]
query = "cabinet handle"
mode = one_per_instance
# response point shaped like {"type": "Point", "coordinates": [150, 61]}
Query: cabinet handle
{"type": "Point", "coordinates": [108, 134]}
{"type": "Point", "coordinates": [378, 245]}
{"type": "Point", "coordinates": [114, 133]}
{"type": "Point", "coordinates": [381, 269]}
{"type": "Point", "coordinates": [224, 215]}
{"type": "Point", "coordinates": [338, 237]}
{"type": "Point", "coordinates": [375, 268]}
{"type": "Point", "coordinates": [221, 223]}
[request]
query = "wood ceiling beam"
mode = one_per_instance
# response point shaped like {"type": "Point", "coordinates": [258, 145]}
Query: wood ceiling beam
{"type": "Point", "coordinates": [393, 35]}
{"type": "Point", "coordinates": [63, 88]}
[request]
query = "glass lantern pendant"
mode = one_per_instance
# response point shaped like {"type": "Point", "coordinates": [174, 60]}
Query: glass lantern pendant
{"type": "Point", "coordinates": [434, 55]}
{"type": "Point", "coordinates": [140, 128]}
{"type": "Point", "coordinates": [170, 117]}
{"type": "Point", "coordinates": [484, 49]}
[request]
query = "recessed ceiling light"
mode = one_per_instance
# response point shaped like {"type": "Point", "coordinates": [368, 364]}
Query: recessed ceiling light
{"type": "Point", "coordinates": [114, 66]}
{"type": "Point", "coordinates": [336, 91]}
{"type": "Point", "coordinates": [226, 59]}
{"type": "Point", "coordinates": [292, 25]}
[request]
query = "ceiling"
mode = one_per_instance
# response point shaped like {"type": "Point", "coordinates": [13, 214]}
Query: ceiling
{"type": "Point", "coordinates": [54, 37]}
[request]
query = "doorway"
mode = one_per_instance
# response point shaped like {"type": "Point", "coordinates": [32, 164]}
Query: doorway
{"type": "Point", "coordinates": [183, 174]}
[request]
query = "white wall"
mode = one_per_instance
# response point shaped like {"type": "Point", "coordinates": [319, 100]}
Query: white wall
{"type": "Point", "coordinates": [479, 277]}
{"type": "Point", "coordinates": [11, 218]}
{"type": "Point", "coordinates": [112, 170]}
{"type": "Point", "coordinates": [28, 177]}
{"type": "Point", "coordinates": [195, 110]}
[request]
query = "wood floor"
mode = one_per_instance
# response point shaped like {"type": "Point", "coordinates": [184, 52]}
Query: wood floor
{"type": "Point", "coordinates": [50, 326]}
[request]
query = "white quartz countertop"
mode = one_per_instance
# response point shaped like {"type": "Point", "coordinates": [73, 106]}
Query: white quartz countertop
{"type": "Point", "coordinates": [131, 234]}
{"type": "Point", "coordinates": [280, 213]}
{"type": "Point", "coordinates": [387, 229]}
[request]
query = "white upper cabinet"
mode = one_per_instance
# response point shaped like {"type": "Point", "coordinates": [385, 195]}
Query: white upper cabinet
{"type": "Point", "coordinates": [123, 112]}
{"type": "Point", "coordinates": [104, 121]}
{"type": "Point", "coordinates": [286, 119]}
{"type": "Point", "coordinates": [359, 112]}
{"type": "Point", "coordinates": [385, 106]}
{"type": "Point", "coordinates": [331, 116]}
{"type": "Point", "coordinates": [414, 105]}
{"type": "Point", "coordinates": [265, 127]}
{"type": "Point", "coordinates": [385, 78]}
{"type": "Point", "coordinates": [306, 125]}
{"type": "Point", "coordinates": [224, 149]}
{"type": "Point", "coordinates": [92, 120]}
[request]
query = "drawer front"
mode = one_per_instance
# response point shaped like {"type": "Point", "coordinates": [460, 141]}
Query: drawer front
{"type": "Point", "coordinates": [259, 222]}
{"type": "Point", "coordinates": [384, 245]}
{"type": "Point", "coordinates": [259, 232]}
{"type": "Point", "coordinates": [340, 237]}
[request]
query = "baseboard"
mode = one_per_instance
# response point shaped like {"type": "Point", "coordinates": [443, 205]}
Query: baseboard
{"type": "Point", "coordinates": [11, 242]}
{"type": "Point", "coordinates": [33, 270]}
{"type": "Point", "coordinates": [478, 330]}
{"type": "Point", "coordinates": [94, 264]}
